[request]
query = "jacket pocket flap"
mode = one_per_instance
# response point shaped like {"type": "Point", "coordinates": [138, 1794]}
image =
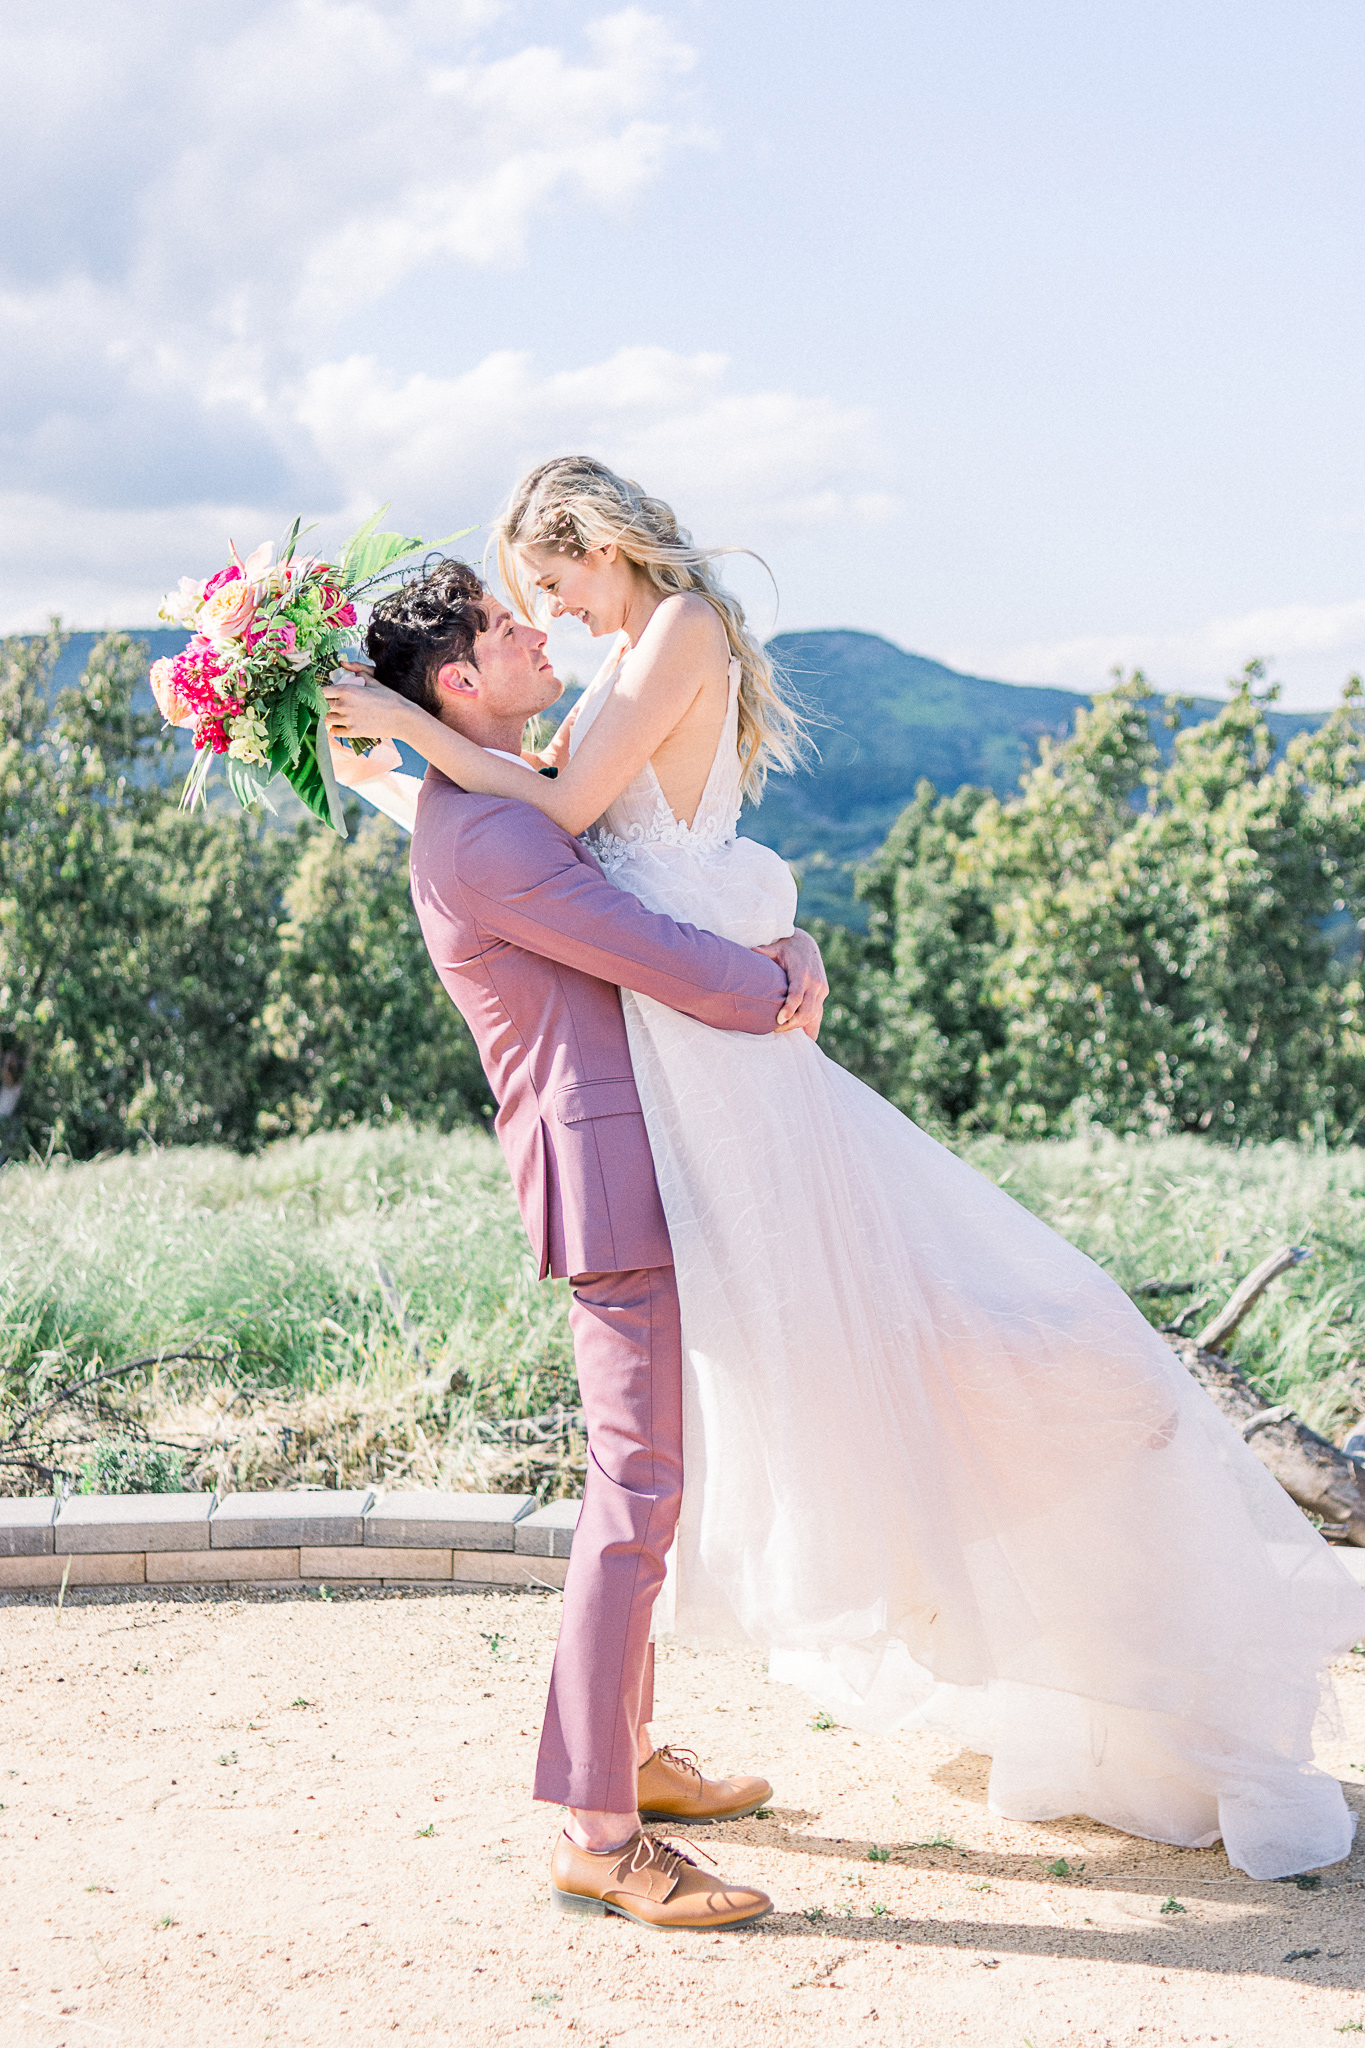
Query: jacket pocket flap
{"type": "Point", "coordinates": [587, 1099]}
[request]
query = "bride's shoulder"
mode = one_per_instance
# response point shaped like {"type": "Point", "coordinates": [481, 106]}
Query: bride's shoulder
{"type": "Point", "coordinates": [685, 624]}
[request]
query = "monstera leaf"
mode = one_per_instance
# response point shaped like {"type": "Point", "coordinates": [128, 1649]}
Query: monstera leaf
{"type": "Point", "coordinates": [309, 772]}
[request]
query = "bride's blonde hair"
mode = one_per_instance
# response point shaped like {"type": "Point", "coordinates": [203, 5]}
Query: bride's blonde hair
{"type": "Point", "coordinates": [573, 504]}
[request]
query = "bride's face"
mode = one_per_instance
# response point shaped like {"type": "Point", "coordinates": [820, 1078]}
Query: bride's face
{"type": "Point", "coordinates": [596, 587]}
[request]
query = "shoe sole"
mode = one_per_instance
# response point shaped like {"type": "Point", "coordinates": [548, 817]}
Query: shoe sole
{"type": "Point", "coordinates": [599, 1909]}
{"type": "Point", "coordinates": [654, 1818]}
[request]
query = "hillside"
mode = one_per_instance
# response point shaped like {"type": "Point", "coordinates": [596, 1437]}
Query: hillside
{"type": "Point", "coordinates": [883, 719]}
{"type": "Point", "coordinates": [891, 718]}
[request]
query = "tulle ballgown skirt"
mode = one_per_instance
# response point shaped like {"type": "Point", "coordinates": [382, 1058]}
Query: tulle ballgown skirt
{"type": "Point", "coordinates": [943, 1471]}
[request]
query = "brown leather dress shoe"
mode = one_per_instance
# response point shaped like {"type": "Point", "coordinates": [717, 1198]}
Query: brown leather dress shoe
{"type": "Point", "coordinates": [672, 1788]}
{"type": "Point", "coordinates": [650, 1883]}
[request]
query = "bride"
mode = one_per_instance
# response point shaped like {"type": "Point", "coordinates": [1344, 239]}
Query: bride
{"type": "Point", "coordinates": [936, 1463]}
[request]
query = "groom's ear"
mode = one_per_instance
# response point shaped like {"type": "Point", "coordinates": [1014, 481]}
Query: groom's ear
{"type": "Point", "coordinates": [451, 677]}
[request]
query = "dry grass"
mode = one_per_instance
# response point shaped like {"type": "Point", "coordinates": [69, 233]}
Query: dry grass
{"type": "Point", "coordinates": [360, 1308]}
{"type": "Point", "coordinates": [357, 1308]}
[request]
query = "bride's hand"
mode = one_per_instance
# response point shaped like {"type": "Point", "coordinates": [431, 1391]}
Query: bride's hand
{"type": "Point", "coordinates": [366, 710]}
{"type": "Point", "coordinates": [807, 982]}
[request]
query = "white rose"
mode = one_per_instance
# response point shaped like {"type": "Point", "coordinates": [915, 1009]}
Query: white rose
{"type": "Point", "coordinates": [181, 607]}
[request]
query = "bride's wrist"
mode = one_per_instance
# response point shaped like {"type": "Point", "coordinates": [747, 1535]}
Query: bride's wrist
{"type": "Point", "coordinates": [414, 724]}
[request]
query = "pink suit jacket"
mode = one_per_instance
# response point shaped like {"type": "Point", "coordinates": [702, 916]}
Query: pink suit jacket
{"type": "Point", "coordinates": [533, 945]}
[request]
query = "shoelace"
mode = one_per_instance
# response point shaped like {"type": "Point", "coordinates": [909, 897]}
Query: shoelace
{"type": "Point", "coordinates": [685, 1759]}
{"type": "Point", "coordinates": [653, 1849]}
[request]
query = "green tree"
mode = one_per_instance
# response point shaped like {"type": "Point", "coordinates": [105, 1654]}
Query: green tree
{"type": "Point", "coordinates": [1153, 950]}
{"type": "Point", "coordinates": [356, 1018]}
{"type": "Point", "coordinates": [77, 788]}
{"type": "Point", "coordinates": [203, 959]}
{"type": "Point", "coordinates": [1176, 974]}
{"type": "Point", "coordinates": [931, 937]}
{"type": "Point", "coordinates": [136, 942]}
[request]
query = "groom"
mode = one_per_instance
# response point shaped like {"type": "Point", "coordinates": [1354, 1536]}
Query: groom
{"type": "Point", "coordinates": [533, 945]}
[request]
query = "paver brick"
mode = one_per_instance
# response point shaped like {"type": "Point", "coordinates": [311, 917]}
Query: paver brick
{"type": "Point", "coordinates": [26, 1526]}
{"type": "Point", "coordinates": [112, 1522]}
{"type": "Point", "coordinates": [101, 1570]}
{"type": "Point", "coordinates": [436, 1521]}
{"type": "Point", "coordinates": [548, 1532]}
{"type": "Point", "coordinates": [369, 1561]}
{"type": "Point", "coordinates": [219, 1567]}
{"type": "Point", "coordinates": [496, 1568]}
{"type": "Point", "coordinates": [264, 1521]}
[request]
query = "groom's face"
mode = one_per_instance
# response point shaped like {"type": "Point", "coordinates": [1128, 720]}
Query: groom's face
{"type": "Point", "coordinates": [509, 677]}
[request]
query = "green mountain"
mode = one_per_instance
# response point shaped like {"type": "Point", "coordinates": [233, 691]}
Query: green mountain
{"type": "Point", "coordinates": [882, 719]}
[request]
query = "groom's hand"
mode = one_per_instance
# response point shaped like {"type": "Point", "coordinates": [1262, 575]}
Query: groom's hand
{"type": "Point", "coordinates": [807, 982]}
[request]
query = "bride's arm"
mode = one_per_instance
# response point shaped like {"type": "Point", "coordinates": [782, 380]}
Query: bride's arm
{"type": "Point", "coordinates": [555, 753]}
{"type": "Point", "coordinates": [656, 689]}
{"type": "Point", "coordinates": [378, 777]}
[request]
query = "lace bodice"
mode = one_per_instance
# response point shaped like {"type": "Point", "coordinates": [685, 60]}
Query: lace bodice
{"type": "Point", "coordinates": [704, 873]}
{"type": "Point", "coordinates": [642, 815]}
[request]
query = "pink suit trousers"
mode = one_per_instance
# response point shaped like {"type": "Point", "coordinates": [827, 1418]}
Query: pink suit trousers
{"type": "Point", "coordinates": [533, 944]}
{"type": "Point", "coordinates": [628, 1350]}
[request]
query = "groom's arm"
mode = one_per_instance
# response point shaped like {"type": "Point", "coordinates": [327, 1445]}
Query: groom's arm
{"type": "Point", "coordinates": [528, 883]}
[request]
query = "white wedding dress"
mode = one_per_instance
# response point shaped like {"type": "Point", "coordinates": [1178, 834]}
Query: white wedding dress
{"type": "Point", "coordinates": [936, 1463]}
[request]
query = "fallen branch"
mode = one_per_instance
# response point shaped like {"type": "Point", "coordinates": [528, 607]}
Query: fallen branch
{"type": "Point", "coordinates": [1312, 1471]}
{"type": "Point", "coordinates": [29, 1440]}
{"type": "Point", "coordinates": [1214, 1336]}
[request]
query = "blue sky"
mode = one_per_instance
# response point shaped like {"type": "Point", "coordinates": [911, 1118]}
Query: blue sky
{"type": "Point", "coordinates": [1028, 335]}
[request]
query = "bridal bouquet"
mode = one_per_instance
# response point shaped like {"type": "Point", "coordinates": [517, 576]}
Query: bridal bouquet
{"type": "Point", "coordinates": [266, 633]}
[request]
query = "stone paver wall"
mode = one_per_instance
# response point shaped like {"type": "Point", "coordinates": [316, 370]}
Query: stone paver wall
{"type": "Point", "coordinates": [468, 1540]}
{"type": "Point", "coordinates": [471, 1541]}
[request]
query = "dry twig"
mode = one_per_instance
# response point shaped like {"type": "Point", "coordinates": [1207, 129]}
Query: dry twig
{"type": "Point", "coordinates": [1313, 1472]}
{"type": "Point", "coordinates": [1215, 1335]}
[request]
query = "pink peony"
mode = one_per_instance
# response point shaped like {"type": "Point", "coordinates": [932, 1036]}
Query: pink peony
{"type": "Point", "coordinates": [232, 574]}
{"type": "Point", "coordinates": [195, 674]}
{"type": "Point", "coordinates": [173, 705]}
{"type": "Point", "coordinates": [344, 617]}
{"type": "Point", "coordinates": [229, 607]}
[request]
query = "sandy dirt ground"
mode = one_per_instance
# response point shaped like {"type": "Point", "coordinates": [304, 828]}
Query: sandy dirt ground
{"type": "Point", "coordinates": [305, 1821]}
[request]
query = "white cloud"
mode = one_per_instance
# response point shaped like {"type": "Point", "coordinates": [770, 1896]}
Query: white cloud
{"type": "Point", "coordinates": [1310, 649]}
{"type": "Point", "coordinates": [175, 257]}
{"type": "Point", "coordinates": [97, 568]}
{"type": "Point", "coordinates": [746, 459]}
{"type": "Point", "coordinates": [191, 201]}
{"type": "Point", "coordinates": [743, 467]}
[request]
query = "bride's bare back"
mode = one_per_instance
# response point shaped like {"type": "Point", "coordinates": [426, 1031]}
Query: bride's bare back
{"type": "Point", "coordinates": [687, 652]}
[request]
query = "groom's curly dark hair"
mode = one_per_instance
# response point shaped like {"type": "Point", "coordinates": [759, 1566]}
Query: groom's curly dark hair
{"type": "Point", "coordinates": [414, 631]}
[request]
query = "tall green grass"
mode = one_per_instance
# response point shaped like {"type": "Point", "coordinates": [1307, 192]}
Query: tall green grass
{"type": "Point", "coordinates": [272, 1259]}
{"type": "Point", "coordinates": [1180, 1209]}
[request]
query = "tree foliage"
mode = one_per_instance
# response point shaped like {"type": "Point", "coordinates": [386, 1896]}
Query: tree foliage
{"type": "Point", "coordinates": [1153, 950]}
{"type": "Point", "coordinates": [160, 977]}
{"type": "Point", "coordinates": [76, 801]}
{"type": "Point", "coordinates": [356, 1019]}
